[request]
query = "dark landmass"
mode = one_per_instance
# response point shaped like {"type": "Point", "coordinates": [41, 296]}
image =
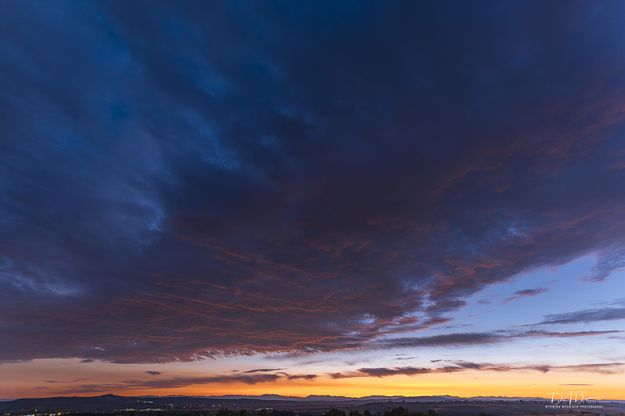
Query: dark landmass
{"type": "Point", "coordinates": [273, 405]}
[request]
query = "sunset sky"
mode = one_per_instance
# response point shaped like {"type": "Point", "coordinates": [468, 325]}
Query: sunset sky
{"type": "Point", "coordinates": [312, 197]}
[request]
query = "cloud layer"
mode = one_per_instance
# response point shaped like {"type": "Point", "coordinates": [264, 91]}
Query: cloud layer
{"type": "Point", "coordinates": [600, 368]}
{"type": "Point", "coordinates": [180, 180]}
{"type": "Point", "coordinates": [376, 372]}
{"type": "Point", "coordinates": [585, 316]}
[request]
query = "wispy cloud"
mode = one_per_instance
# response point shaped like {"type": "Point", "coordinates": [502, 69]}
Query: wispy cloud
{"type": "Point", "coordinates": [308, 377]}
{"type": "Point", "coordinates": [585, 316]}
{"type": "Point", "coordinates": [525, 293]}
{"type": "Point", "coordinates": [184, 381]}
{"type": "Point", "coordinates": [462, 366]}
{"type": "Point", "coordinates": [481, 338]}
{"type": "Point", "coordinates": [609, 261]}
{"type": "Point", "coordinates": [262, 370]}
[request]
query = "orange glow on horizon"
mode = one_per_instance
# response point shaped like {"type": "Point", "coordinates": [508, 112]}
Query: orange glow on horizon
{"type": "Point", "coordinates": [467, 384]}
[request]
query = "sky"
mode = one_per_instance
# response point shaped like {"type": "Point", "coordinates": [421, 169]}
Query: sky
{"type": "Point", "coordinates": [314, 197]}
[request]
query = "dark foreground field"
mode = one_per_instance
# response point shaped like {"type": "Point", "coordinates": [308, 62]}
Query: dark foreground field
{"type": "Point", "coordinates": [317, 406]}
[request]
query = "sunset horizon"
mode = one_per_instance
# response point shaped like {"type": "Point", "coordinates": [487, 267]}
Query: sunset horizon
{"type": "Point", "coordinates": [312, 198]}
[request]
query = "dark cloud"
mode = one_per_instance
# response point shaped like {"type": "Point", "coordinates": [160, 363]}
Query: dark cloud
{"type": "Point", "coordinates": [460, 366]}
{"type": "Point", "coordinates": [175, 382]}
{"type": "Point", "coordinates": [468, 338]}
{"type": "Point", "coordinates": [178, 382]}
{"type": "Point", "coordinates": [262, 370]}
{"type": "Point", "coordinates": [153, 373]}
{"type": "Point", "coordinates": [526, 293]}
{"type": "Point", "coordinates": [187, 179]}
{"type": "Point", "coordinates": [480, 338]}
{"type": "Point", "coordinates": [607, 263]}
{"type": "Point", "coordinates": [408, 371]}
{"type": "Point", "coordinates": [308, 377]}
{"type": "Point", "coordinates": [585, 316]}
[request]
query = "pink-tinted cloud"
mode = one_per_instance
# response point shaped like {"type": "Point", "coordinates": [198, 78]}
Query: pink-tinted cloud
{"type": "Point", "coordinates": [172, 191]}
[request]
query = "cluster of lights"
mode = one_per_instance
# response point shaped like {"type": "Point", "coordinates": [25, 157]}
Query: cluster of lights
{"type": "Point", "coordinates": [36, 414]}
